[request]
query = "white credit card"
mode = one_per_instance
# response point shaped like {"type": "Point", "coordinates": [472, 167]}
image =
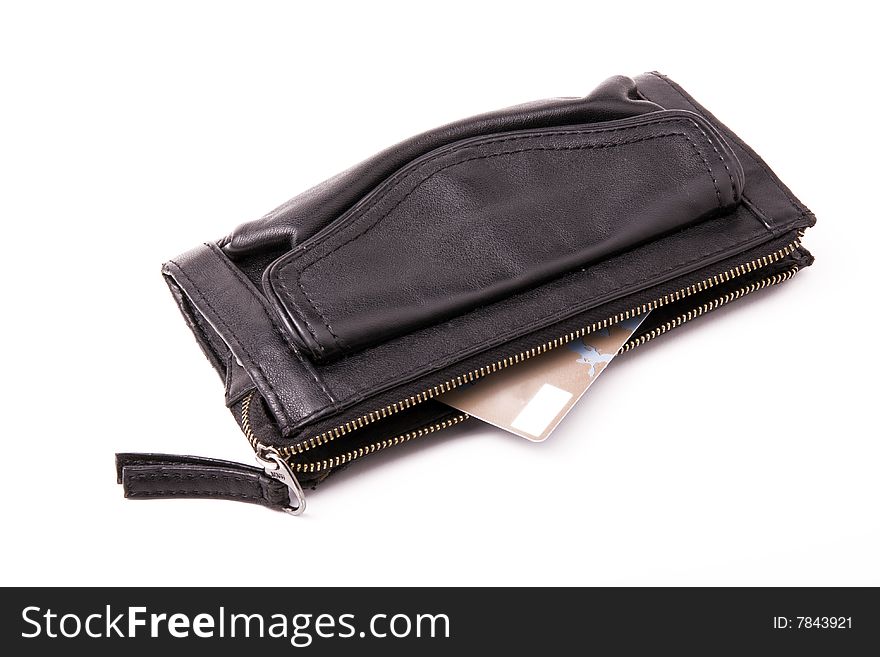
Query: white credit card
{"type": "Point", "coordinates": [531, 398]}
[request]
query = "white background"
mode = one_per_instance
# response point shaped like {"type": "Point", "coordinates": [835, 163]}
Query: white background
{"type": "Point", "coordinates": [741, 449]}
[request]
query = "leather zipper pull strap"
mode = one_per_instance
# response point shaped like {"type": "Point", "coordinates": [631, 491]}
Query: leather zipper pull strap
{"type": "Point", "coordinates": [156, 476]}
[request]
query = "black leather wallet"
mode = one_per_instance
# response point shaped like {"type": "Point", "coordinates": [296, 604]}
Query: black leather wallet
{"type": "Point", "coordinates": [339, 319]}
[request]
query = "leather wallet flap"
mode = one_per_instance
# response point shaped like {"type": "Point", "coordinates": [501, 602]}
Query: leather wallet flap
{"type": "Point", "coordinates": [340, 319]}
{"type": "Point", "coordinates": [485, 218]}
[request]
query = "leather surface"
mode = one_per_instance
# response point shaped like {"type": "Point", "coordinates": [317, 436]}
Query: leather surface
{"type": "Point", "coordinates": [767, 196]}
{"type": "Point", "coordinates": [151, 476]}
{"type": "Point", "coordinates": [238, 313]}
{"type": "Point", "coordinates": [406, 340]}
{"type": "Point", "coordinates": [486, 218]}
{"type": "Point", "coordinates": [305, 214]}
{"type": "Point", "coordinates": [405, 366]}
{"type": "Point", "coordinates": [415, 355]}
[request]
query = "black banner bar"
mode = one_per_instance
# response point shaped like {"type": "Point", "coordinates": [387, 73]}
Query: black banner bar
{"type": "Point", "coordinates": [438, 621]}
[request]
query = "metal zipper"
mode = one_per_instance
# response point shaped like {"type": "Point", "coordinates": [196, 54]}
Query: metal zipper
{"type": "Point", "coordinates": [707, 307]}
{"type": "Point", "coordinates": [266, 453]}
{"type": "Point", "coordinates": [326, 464]}
{"type": "Point", "coordinates": [288, 452]}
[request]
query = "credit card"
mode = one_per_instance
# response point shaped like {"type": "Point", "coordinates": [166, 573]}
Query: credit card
{"type": "Point", "coordinates": [531, 398]}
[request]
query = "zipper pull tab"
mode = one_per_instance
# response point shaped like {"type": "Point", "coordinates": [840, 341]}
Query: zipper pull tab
{"type": "Point", "coordinates": [276, 467]}
{"type": "Point", "coordinates": [156, 476]}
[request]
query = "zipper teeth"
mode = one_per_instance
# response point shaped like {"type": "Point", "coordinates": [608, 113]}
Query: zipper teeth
{"type": "Point", "coordinates": [351, 455]}
{"type": "Point", "coordinates": [707, 307]}
{"type": "Point", "coordinates": [470, 377]}
{"type": "Point", "coordinates": [246, 428]}
{"type": "Point", "coordinates": [341, 459]}
{"type": "Point", "coordinates": [326, 464]}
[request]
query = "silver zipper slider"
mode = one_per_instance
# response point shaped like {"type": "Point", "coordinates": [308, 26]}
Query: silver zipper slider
{"type": "Point", "coordinates": [277, 468]}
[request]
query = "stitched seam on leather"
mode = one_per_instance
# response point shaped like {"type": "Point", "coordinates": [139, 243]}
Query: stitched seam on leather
{"type": "Point", "coordinates": [395, 181]}
{"type": "Point", "coordinates": [536, 325]}
{"type": "Point", "coordinates": [191, 461]}
{"type": "Point", "coordinates": [721, 159]}
{"type": "Point", "coordinates": [170, 477]}
{"type": "Point", "coordinates": [401, 177]}
{"type": "Point", "coordinates": [802, 210]}
{"type": "Point", "coordinates": [233, 335]}
{"type": "Point", "coordinates": [278, 330]}
{"type": "Point", "coordinates": [193, 493]}
{"type": "Point", "coordinates": [416, 187]}
{"type": "Point", "coordinates": [307, 324]}
{"type": "Point", "coordinates": [191, 476]}
{"type": "Point", "coordinates": [136, 462]}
